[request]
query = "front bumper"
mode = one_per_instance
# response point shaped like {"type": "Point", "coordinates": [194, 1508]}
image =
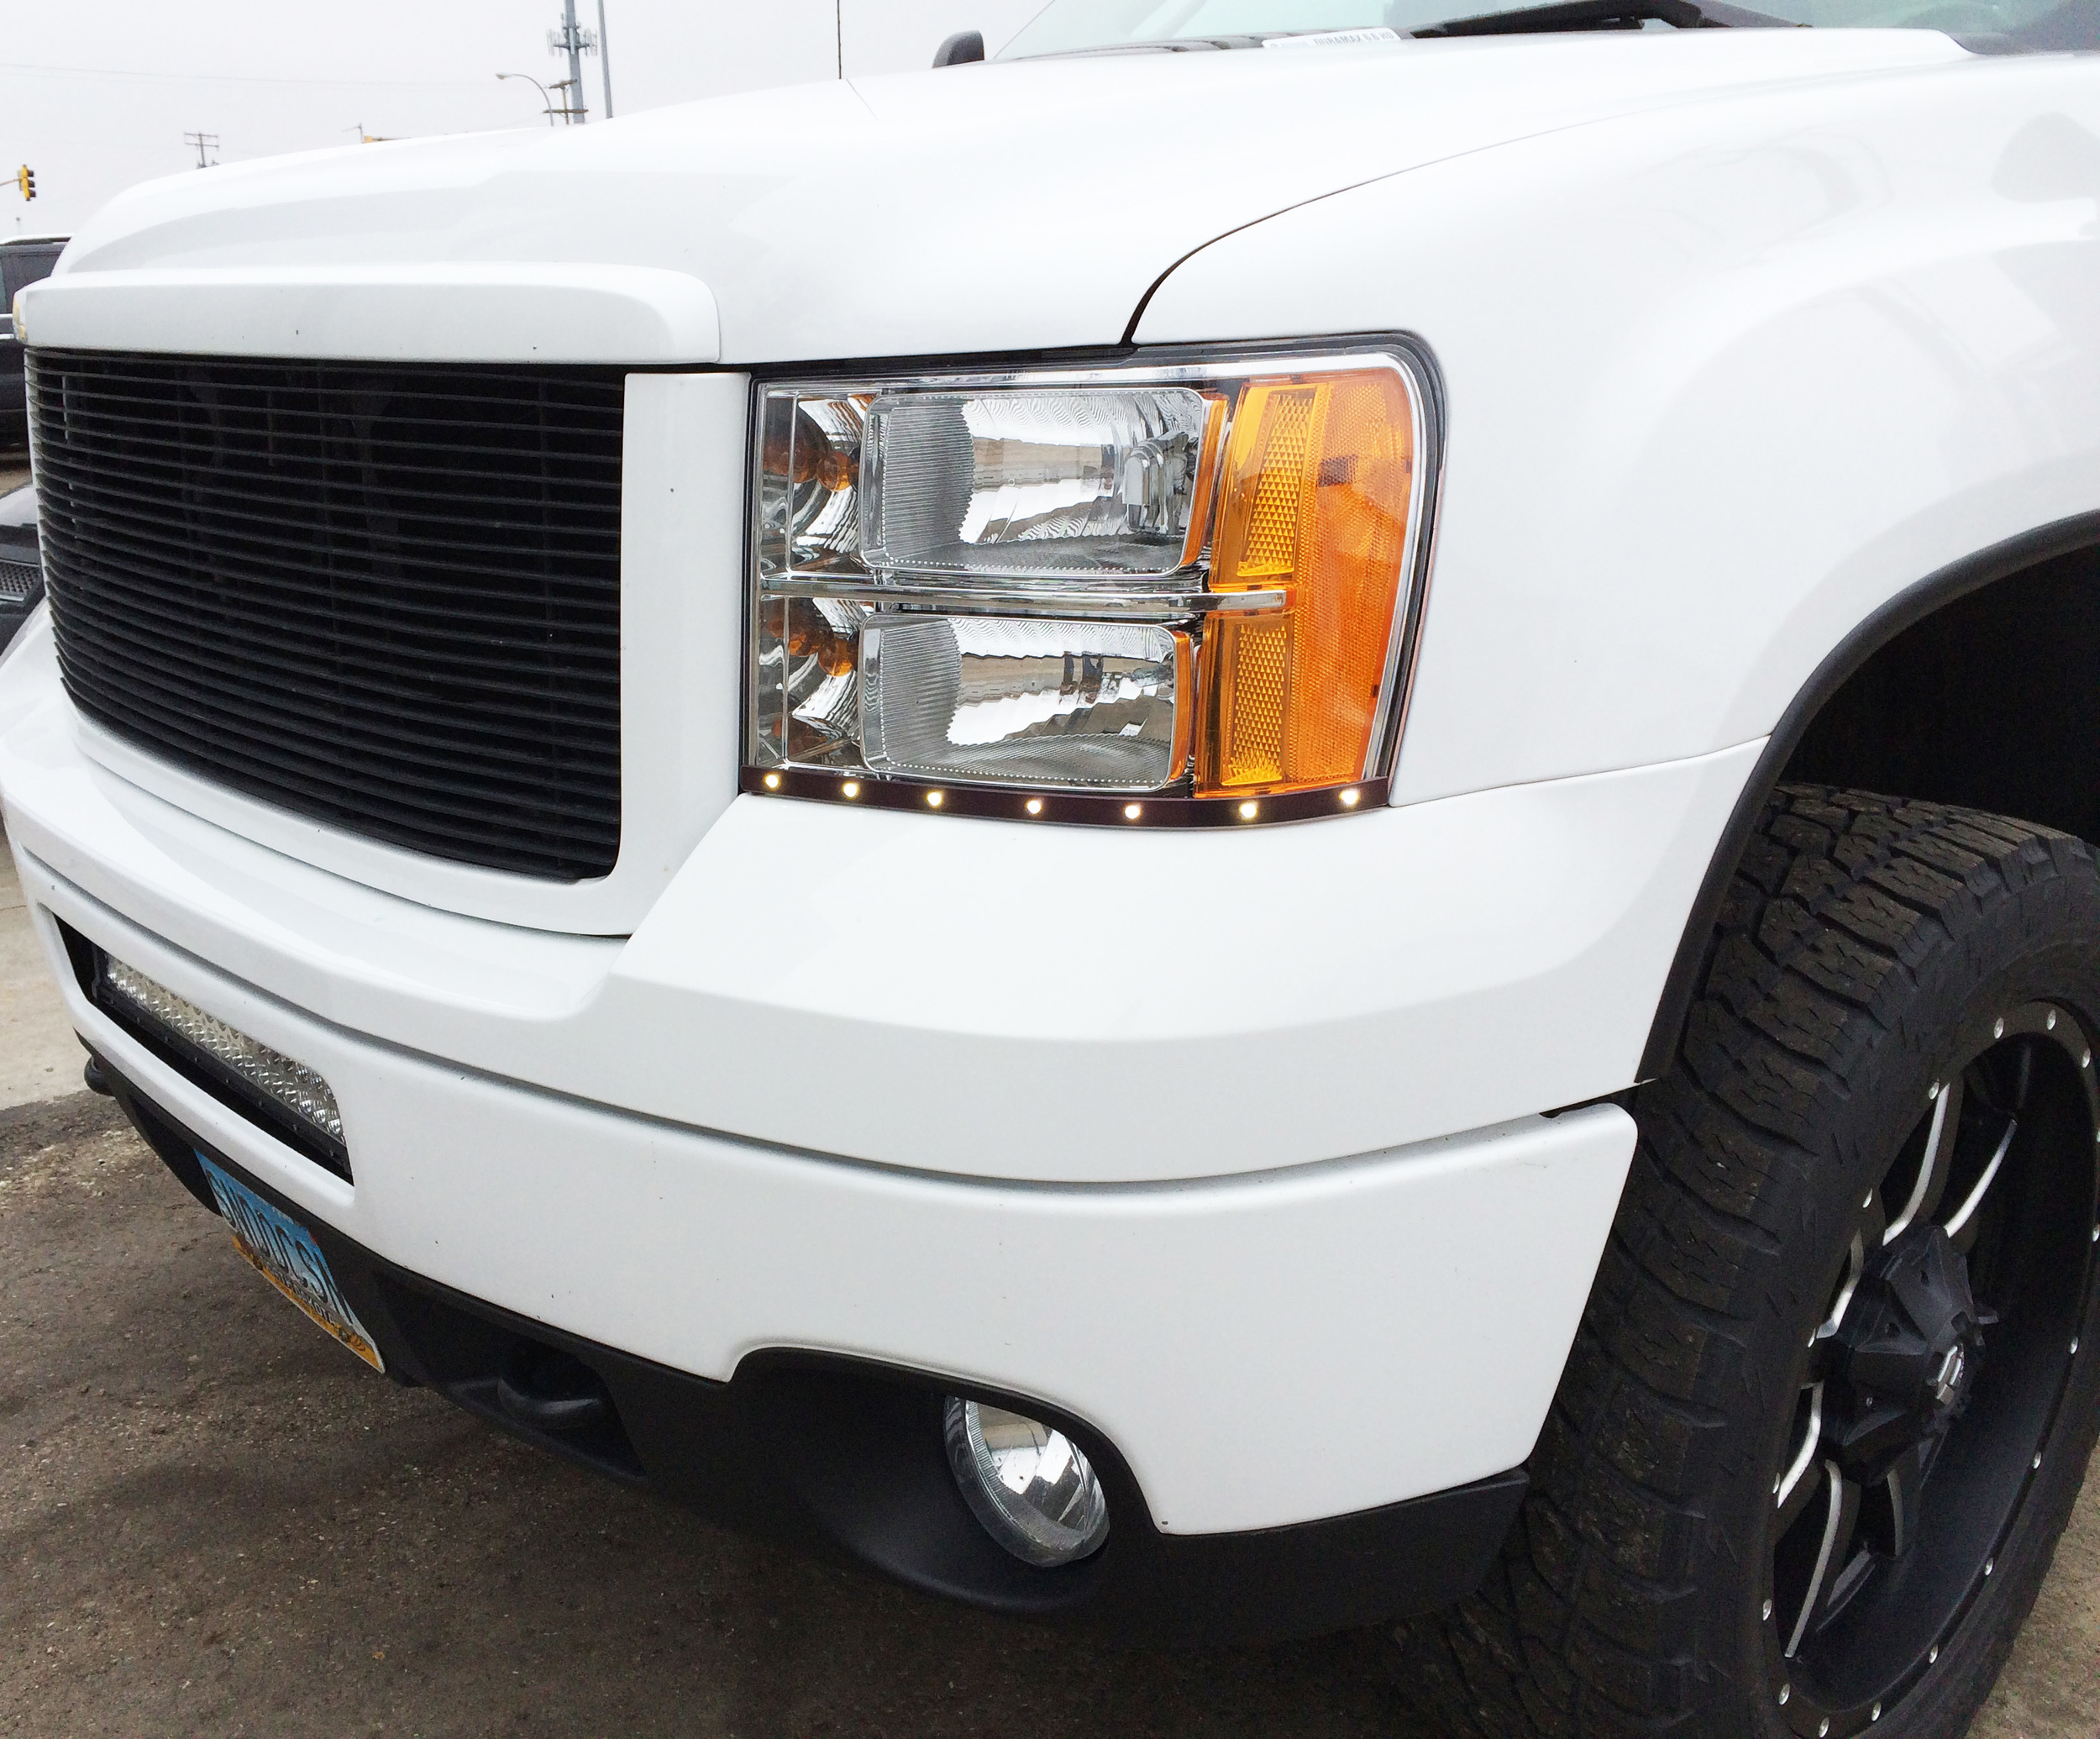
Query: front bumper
{"type": "Point", "coordinates": [1260, 1350]}
{"type": "Point", "coordinates": [1303, 1346]}
{"type": "Point", "coordinates": [844, 1456]}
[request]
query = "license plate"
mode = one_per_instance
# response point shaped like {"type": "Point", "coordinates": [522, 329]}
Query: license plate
{"type": "Point", "coordinates": [287, 1256]}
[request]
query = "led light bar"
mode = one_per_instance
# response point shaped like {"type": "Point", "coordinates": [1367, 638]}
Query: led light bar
{"type": "Point", "coordinates": [230, 1056]}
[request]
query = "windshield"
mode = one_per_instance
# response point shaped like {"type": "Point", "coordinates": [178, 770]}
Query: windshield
{"type": "Point", "coordinates": [1076, 26]}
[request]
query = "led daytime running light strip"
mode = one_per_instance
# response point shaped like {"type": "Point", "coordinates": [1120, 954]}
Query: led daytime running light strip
{"type": "Point", "coordinates": [1151, 809]}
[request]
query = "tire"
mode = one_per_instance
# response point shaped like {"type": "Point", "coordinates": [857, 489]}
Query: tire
{"type": "Point", "coordinates": [1868, 948]}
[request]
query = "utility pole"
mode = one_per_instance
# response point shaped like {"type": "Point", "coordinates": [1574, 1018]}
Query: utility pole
{"type": "Point", "coordinates": [204, 142]}
{"type": "Point", "coordinates": [573, 40]}
{"type": "Point", "coordinates": [605, 61]}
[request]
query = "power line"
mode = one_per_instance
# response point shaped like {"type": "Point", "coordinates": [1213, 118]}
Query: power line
{"type": "Point", "coordinates": [236, 78]}
{"type": "Point", "coordinates": [544, 96]}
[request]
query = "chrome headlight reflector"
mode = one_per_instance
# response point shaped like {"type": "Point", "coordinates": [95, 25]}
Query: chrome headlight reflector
{"type": "Point", "coordinates": [1022, 700]}
{"type": "Point", "coordinates": [1193, 581]}
{"type": "Point", "coordinates": [1083, 483]}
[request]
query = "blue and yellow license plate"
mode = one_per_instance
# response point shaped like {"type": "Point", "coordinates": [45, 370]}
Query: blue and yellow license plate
{"type": "Point", "coordinates": [289, 1258]}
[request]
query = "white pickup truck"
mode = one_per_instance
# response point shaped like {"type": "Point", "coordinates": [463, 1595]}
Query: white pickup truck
{"type": "Point", "coordinates": [1269, 820]}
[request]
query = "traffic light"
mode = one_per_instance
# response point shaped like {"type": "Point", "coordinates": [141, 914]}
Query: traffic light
{"type": "Point", "coordinates": [25, 179]}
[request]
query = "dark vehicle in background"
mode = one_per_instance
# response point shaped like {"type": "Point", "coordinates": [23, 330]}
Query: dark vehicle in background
{"type": "Point", "coordinates": [23, 260]}
{"type": "Point", "coordinates": [21, 563]}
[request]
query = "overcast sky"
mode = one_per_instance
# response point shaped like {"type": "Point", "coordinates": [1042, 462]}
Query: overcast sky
{"type": "Point", "coordinates": [97, 94]}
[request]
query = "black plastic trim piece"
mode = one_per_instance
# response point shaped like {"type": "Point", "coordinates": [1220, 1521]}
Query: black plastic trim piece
{"type": "Point", "coordinates": [1608, 15]}
{"type": "Point", "coordinates": [847, 1457]}
{"type": "Point", "coordinates": [1152, 809]}
{"type": "Point", "coordinates": [1907, 608]}
{"type": "Point", "coordinates": [176, 1151]}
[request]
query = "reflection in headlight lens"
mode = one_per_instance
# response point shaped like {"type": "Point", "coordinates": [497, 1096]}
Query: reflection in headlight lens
{"type": "Point", "coordinates": [1031, 483]}
{"type": "Point", "coordinates": [1081, 703]}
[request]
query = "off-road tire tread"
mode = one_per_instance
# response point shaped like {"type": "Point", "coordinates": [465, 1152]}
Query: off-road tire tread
{"type": "Point", "coordinates": [1582, 1627]}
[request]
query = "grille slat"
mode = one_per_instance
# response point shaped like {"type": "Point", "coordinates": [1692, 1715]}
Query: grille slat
{"type": "Point", "coordinates": [221, 503]}
{"type": "Point", "coordinates": [383, 595]}
{"type": "Point", "coordinates": [279, 763]}
{"type": "Point", "coordinates": [491, 756]}
{"type": "Point", "coordinates": [438, 641]}
{"type": "Point", "coordinates": [149, 451]}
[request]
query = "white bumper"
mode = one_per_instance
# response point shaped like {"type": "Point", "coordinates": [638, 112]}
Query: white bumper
{"type": "Point", "coordinates": [1264, 1344]}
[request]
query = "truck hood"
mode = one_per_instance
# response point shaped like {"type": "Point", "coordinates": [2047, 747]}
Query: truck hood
{"type": "Point", "coordinates": [1015, 205]}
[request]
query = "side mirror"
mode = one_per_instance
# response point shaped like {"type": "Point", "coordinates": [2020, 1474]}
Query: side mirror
{"type": "Point", "coordinates": [964, 45]}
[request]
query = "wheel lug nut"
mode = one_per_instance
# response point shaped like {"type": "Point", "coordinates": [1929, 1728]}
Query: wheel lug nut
{"type": "Point", "coordinates": [1999, 1030]}
{"type": "Point", "coordinates": [1877, 1714]}
{"type": "Point", "coordinates": [1785, 1692]}
{"type": "Point", "coordinates": [1933, 1655]}
{"type": "Point", "coordinates": [1768, 1611]}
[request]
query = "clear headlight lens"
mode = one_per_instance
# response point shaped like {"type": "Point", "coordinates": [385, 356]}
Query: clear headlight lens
{"type": "Point", "coordinates": [1037, 702]}
{"type": "Point", "coordinates": [1084, 483]}
{"type": "Point", "coordinates": [1190, 580]}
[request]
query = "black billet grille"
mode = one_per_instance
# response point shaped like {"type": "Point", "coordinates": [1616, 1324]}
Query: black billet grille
{"type": "Point", "coordinates": [384, 596]}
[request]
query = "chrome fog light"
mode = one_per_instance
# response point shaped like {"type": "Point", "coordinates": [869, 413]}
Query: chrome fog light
{"type": "Point", "coordinates": [1028, 1483]}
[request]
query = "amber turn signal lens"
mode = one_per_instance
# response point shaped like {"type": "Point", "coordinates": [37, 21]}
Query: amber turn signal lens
{"type": "Point", "coordinates": [1315, 499]}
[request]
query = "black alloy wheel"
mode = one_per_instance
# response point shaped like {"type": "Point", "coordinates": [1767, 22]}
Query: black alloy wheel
{"type": "Point", "coordinates": [1834, 1391]}
{"type": "Point", "coordinates": [1935, 1379]}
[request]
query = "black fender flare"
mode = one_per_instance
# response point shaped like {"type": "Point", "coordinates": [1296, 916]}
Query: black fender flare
{"type": "Point", "coordinates": [1907, 608]}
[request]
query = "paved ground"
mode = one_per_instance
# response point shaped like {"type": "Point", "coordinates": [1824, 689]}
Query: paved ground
{"type": "Point", "coordinates": [40, 1057]}
{"type": "Point", "coordinates": [214, 1520]}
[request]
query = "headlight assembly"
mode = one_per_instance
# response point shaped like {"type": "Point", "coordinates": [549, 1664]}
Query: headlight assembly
{"type": "Point", "coordinates": [1178, 593]}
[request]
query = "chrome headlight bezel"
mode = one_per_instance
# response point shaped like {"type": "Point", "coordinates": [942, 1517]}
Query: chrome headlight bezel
{"type": "Point", "coordinates": [1174, 596]}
